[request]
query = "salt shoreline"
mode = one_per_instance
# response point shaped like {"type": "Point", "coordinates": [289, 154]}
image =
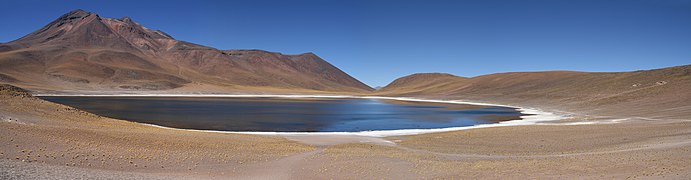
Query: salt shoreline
{"type": "Point", "coordinates": [535, 118]}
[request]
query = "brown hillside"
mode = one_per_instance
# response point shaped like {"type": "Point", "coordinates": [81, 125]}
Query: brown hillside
{"type": "Point", "coordinates": [83, 51]}
{"type": "Point", "coordinates": [419, 81]}
{"type": "Point", "coordinates": [650, 93]}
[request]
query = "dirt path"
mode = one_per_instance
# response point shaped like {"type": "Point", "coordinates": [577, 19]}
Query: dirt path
{"type": "Point", "coordinates": [284, 168]}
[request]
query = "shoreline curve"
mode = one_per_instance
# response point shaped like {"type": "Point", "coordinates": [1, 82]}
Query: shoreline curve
{"type": "Point", "coordinates": [535, 117]}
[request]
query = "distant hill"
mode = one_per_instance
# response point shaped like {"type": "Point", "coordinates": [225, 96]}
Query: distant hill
{"type": "Point", "coordinates": [663, 92]}
{"type": "Point", "coordinates": [83, 51]}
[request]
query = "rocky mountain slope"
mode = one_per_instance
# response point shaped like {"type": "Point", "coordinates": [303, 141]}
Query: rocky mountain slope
{"type": "Point", "coordinates": [83, 51]}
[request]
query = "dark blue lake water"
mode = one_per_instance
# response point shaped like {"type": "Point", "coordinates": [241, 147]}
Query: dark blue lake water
{"type": "Point", "coordinates": [287, 114]}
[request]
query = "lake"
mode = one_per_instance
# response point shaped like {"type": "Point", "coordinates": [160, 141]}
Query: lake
{"type": "Point", "coordinates": [287, 114]}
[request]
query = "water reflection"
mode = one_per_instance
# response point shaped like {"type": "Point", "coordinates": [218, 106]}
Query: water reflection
{"type": "Point", "coordinates": [284, 115]}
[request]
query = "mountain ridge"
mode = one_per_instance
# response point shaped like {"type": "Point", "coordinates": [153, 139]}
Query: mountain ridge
{"type": "Point", "coordinates": [82, 51]}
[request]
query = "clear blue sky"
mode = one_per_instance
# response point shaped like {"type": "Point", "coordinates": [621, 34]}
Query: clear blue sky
{"type": "Point", "coordinates": [377, 42]}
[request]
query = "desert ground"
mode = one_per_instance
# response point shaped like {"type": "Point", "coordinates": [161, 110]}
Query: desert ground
{"type": "Point", "coordinates": [44, 140]}
{"type": "Point", "coordinates": [619, 125]}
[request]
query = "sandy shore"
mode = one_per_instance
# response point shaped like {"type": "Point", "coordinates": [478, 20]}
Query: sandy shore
{"type": "Point", "coordinates": [43, 140]}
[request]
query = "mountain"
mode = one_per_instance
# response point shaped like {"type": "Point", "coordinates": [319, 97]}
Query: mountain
{"type": "Point", "coordinates": [430, 82]}
{"type": "Point", "coordinates": [83, 51]}
{"type": "Point", "coordinates": [647, 93]}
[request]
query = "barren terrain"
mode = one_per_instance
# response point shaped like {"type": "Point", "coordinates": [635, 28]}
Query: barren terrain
{"type": "Point", "coordinates": [620, 125]}
{"type": "Point", "coordinates": [50, 141]}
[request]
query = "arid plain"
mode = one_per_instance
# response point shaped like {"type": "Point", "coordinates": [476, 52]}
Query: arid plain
{"type": "Point", "coordinates": [619, 125]}
{"type": "Point", "coordinates": [56, 138]}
